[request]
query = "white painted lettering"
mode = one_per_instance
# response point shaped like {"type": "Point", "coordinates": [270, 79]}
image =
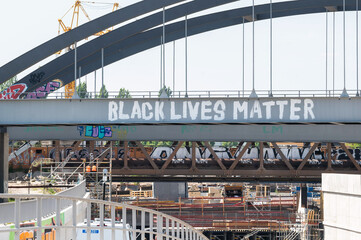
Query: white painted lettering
{"type": "Point", "coordinates": [281, 105]}
{"type": "Point", "coordinates": [237, 107]}
{"type": "Point", "coordinates": [193, 110]}
{"type": "Point", "coordinates": [256, 109]}
{"type": "Point", "coordinates": [219, 113]}
{"type": "Point", "coordinates": [173, 115]}
{"type": "Point", "coordinates": [206, 107]}
{"type": "Point", "coordinates": [144, 111]}
{"type": "Point", "coordinates": [122, 116]}
{"type": "Point", "coordinates": [308, 106]}
{"type": "Point", "coordinates": [112, 111]}
{"type": "Point", "coordinates": [185, 109]}
{"type": "Point", "coordinates": [269, 106]}
{"type": "Point", "coordinates": [294, 109]}
{"type": "Point", "coordinates": [136, 111]}
{"type": "Point", "coordinates": [159, 114]}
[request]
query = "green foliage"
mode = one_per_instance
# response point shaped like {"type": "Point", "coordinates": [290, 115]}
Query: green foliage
{"type": "Point", "coordinates": [229, 144]}
{"type": "Point", "coordinates": [353, 145]}
{"type": "Point", "coordinates": [82, 90]}
{"type": "Point", "coordinates": [124, 93]}
{"type": "Point", "coordinates": [8, 83]}
{"type": "Point", "coordinates": [51, 191]}
{"type": "Point", "coordinates": [103, 92]}
{"type": "Point", "coordinates": [157, 143]}
{"type": "Point", "coordinates": [168, 91]}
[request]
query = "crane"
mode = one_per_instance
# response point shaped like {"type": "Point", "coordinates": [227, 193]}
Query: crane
{"type": "Point", "coordinates": [76, 8]}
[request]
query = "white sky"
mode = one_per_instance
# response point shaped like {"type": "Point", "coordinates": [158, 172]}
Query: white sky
{"type": "Point", "coordinates": [215, 58]}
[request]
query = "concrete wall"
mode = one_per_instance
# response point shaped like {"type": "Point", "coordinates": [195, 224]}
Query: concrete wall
{"type": "Point", "coordinates": [170, 191]}
{"type": "Point", "coordinates": [342, 206]}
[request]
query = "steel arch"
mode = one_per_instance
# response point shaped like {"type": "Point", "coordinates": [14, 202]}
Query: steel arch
{"type": "Point", "coordinates": [132, 42]}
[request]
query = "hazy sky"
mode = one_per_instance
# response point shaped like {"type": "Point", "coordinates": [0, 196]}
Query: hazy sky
{"type": "Point", "coordinates": [215, 58]}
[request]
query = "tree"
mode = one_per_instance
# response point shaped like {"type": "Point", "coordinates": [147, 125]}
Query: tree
{"type": "Point", "coordinates": [168, 91]}
{"type": "Point", "coordinates": [82, 90]}
{"type": "Point", "coordinates": [103, 92]}
{"type": "Point", "coordinates": [8, 83]}
{"type": "Point", "coordinates": [124, 93]}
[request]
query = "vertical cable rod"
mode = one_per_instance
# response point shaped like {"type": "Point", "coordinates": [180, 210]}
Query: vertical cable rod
{"type": "Point", "coordinates": [333, 53]}
{"type": "Point", "coordinates": [173, 67]}
{"type": "Point", "coordinates": [271, 49]}
{"type": "Point", "coordinates": [163, 47]}
{"type": "Point", "coordinates": [95, 83]}
{"type": "Point", "coordinates": [102, 73]}
{"type": "Point", "coordinates": [243, 60]}
{"type": "Point", "coordinates": [75, 64]}
{"type": "Point", "coordinates": [161, 61]}
{"type": "Point", "coordinates": [326, 50]}
{"type": "Point", "coordinates": [357, 71]}
{"type": "Point", "coordinates": [344, 45]}
{"type": "Point", "coordinates": [186, 54]}
{"type": "Point", "coordinates": [253, 77]}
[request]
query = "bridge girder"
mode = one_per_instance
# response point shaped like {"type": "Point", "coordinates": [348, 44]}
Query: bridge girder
{"type": "Point", "coordinates": [175, 166]}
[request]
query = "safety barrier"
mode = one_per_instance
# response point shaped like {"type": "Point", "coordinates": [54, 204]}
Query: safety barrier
{"type": "Point", "coordinates": [209, 94]}
{"type": "Point", "coordinates": [159, 225]}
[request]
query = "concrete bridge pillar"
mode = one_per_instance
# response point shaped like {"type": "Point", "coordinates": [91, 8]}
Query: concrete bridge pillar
{"type": "Point", "coordinates": [4, 155]}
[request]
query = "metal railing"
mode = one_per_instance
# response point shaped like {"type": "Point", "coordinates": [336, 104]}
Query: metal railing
{"type": "Point", "coordinates": [205, 94]}
{"type": "Point", "coordinates": [48, 205]}
{"type": "Point", "coordinates": [160, 225]}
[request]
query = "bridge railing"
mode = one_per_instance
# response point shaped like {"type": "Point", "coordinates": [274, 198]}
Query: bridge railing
{"type": "Point", "coordinates": [198, 94]}
{"type": "Point", "coordinates": [159, 225]}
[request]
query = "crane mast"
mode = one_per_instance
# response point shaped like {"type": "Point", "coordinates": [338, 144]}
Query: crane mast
{"type": "Point", "coordinates": [76, 8]}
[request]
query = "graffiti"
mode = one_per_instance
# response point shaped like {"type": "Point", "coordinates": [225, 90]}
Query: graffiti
{"type": "Point", "coordinates": [45, 90]}
{"type": "Point", "coordinates": [98, 132]}
{"type": "Point", "coordinates": [14, 91]}
{"type": "Point", "coordinates": [293, 109]}
{"type": "Point", "coordinates": [273, 130]}
{"type": "Point", "coordinates": [45, 155]}
{"type": "Point", "coordinates": [36, 77]}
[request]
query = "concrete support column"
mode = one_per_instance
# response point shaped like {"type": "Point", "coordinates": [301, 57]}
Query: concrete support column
{"type": "Point", "coordinates": [4, 155]}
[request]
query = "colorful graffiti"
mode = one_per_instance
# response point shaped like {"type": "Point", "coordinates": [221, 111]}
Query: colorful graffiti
{"type": "Point", "coordinates": [14, 91]}
{"type": "Point", "coordinates": [95, 131]}
{"type": "Point", "coordinates": [100, 132]}
{"type": "Point", "coordinates": [45, 90]}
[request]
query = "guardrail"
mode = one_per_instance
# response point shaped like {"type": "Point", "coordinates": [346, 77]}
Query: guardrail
{"type": "Point", "coordinates": [48, 205]}
{"type": "Point", "coordinates": [203, 94]}
{"type": "Point", "coordinates": [160, 226]}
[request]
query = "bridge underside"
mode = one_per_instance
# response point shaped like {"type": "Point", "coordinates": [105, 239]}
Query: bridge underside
{"type": "Point", "coordinates": [199, 161]}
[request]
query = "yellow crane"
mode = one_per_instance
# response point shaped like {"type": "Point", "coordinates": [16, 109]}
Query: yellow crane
{"type": "Point", "coordinates": [76, 8]}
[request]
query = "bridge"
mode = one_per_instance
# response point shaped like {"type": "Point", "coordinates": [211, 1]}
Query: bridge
{"type": "Point", "coordinates": [327, 118]}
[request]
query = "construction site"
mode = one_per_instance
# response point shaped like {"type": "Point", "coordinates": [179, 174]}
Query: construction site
{"type": "Point", "coordinates": [221, 210]}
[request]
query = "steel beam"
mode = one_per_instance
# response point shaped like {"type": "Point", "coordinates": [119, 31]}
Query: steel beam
{"type": "Point", "coordinates": [343, 146]}
{"type": "Point", "coordinates": [240, 155]}
{"type": "Point", "coordinates": [167, 162]}
{"type": "Point", "coordinates": [283, 157]}
{"type": "Point", "coordinates": [221, 165]}
{"type": "Point", "coordinates": [304, 161]}
{"type": "Point", "coordinates": [262, 11]}
{"type": "Point", "coordinates": [58, 43]}
{"type": "Point", "coordinates": [4, 155]}
{"type": "Point", "coordinates": [140, 145]}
